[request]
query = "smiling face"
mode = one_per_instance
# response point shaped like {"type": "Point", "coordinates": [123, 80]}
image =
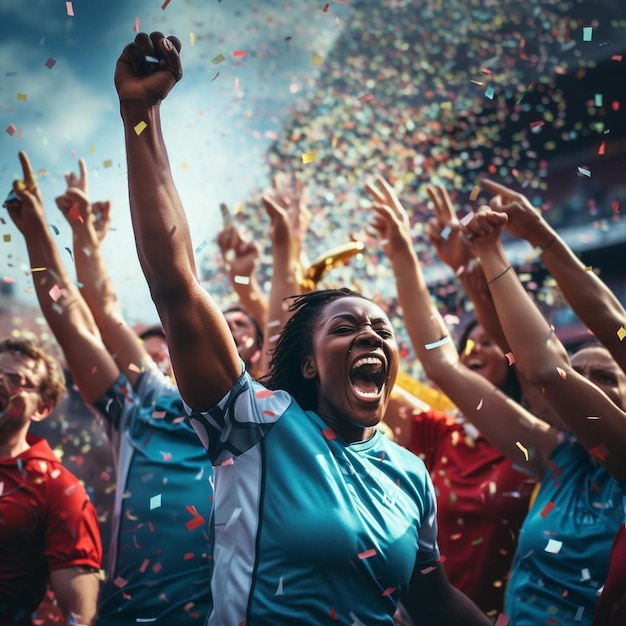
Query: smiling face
{"type": "Point", "coordinates": [597, 365]}
{"type": "Point", "coordinates": [482, 355]}
{"type": "Point", "coordinates": [354, 363]}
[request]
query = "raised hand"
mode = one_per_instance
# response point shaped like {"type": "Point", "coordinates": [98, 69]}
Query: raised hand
{"type": "Point", "coordinates": [291, 194]}
{"type": "Point", "coordinates": [485, 228]}
{"type": "Point", "coordinates": [26, 204]}
{"type": "Point", "coordinates": [524, 219]}
{"type": "Point", "coordinates": [241, 256]}
{"type": "Point", "coordinates": [80, 181]}
{"type": "Point", "coordinates": [390, 219]}
{"type": "Point", "coordinates": [148, 68]}
{"type": "Point", "coordinates": [443, 230]}
{"type": "Point", "coordinates": [102, 218]}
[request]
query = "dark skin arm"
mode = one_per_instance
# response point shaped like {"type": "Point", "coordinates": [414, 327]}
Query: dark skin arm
{"type": "Point", "coordinates": [194, 325]}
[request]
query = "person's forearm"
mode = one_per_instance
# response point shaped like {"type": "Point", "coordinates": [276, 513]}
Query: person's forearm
{"type": "Point", "coordinates": [161, 229]}
{"type": "Point", "coordinates": [251, 297]}
{"type": "Point", "coordinates": [590, 298]}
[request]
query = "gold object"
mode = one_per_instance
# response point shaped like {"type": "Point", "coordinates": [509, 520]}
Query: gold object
{"type": "Point", "coordinates": [433, 397]}
{"type": "Point", "coordinates": [331, 258]}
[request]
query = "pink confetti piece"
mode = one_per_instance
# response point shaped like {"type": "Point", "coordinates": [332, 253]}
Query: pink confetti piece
{"type": "Point", "coordinates": [120, 582]}
{"type": "Point", "coordinates": [136, 25]}
{"type": "Point", "coordinates": [510, 358]}
{"type": "Point", "coordinates": [502, 620]}
{"type": "Point", "coordinates": [133, 368]}
{"type": "Point", "coordinates": [427, 570]}
{"type": "Point", "coordinates": [367, 554]}
{"type": "Point", "coordinates": [167, 456]}
{"type": "Point", "coordinates": [537, 124]}
{"type": "Point", "coordinates": [70, 9]}
{"type": "Point", "coordinates": [600, 451]}
{"type": "Point", "coordinates": [466, 219]}
{"type": "Point", "coordinates": [263, 393]}
{"type": "Point", "coordinates": [616, 57]}
{"type": "Point", "coordinates": [144, 566]}
{"type": "Point", "coordinates": [366, 98]}
{"type": "Point", "coordinates": [164, 5]}
{"type": "Point", "coordinates": [329, 434]}
{"type": "Point", "coordinates": [195, 522]}
{"type": "Point", "coordinates": [239, 53]}
{"type": "Point", "coordinates": [50, 63]}
{"type": "Point", "coordinates": [55, 293]}
{"type": "Point", "coordinates": [562, 373]}
{"type": "Point", "coordinates": [389, 591]}
{"type": "Point", "coordinates": [229, 461]}
{"type": "Point", "coordinates": [480, 404]}
{"type": "Point", "coordinates": [11, 130]}
{"type": "Point", "coordinates": [602, 148]}
{"type": "Point", "coordinates": [547, 509]}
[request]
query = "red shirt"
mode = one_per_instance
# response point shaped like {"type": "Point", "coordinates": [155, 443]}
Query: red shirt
{"type": "Point", "coordinates": [46, 523]}
{"type": "Point", "coordinates": [481, 504]}
{"type": "Point", "coordinates": [611, 608]}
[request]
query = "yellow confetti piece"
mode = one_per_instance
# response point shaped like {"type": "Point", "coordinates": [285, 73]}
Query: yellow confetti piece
{"type": "Point", "coordinates": [523, 449]}
{"type": "Point", "coordinates": [107, 163]}
{"type": "Point", "coordinates": [22, 96]}
{"type": "Point", "coordinates": [192, 38]}
{"type": "Point", "coordinates": [333, 143]}
{"type": "Point", "coordinates": [6, 238]}
{"type": "Point", "coordinates": [309, 157]}
{"type": "Point", "coordinates": [139, 128]}
{"type": "Point", "coordinates": [588, 268]}
{"type": "Point", "coordinates": [469, 346]}
{"type": "Point", "coordinates": [92, 149]}
{"type": "Point", "coordinates": [220, 58]}
{"type": "Point", "coordinates": [621, 333]}
{"type": "Point", "coordinates": [316, 59]}
{"type": "Point", "coordinates": [38, 269]}
{"type": "Point", "coordinates": [475, 192]}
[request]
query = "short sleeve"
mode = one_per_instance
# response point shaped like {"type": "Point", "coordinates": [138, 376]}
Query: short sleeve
{"type": "Point", "coordinates": [427, 432]}
{"type": "Point", "coordinates": [428, 551]}
{"type": "Point", "coordinates": [72, 531]}
{"type": "Point", "coordinates": [118, 405]}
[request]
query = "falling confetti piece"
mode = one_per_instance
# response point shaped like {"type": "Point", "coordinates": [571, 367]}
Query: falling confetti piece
{"type": "Point", "coordinates": [366, 98]}
{"type": "Point", "coordinates": [279, 591]}
{"type": "Point", "coordinates": [22, 97]}
{"type": "Point", "coordinates": [70, 9]}
{"type": "Point", "coordinates": [597, 100]}
{"type": "Point", "coordinates": [584, 171]}
{"type": "Point", "coordinates": [192, 39]}
{"type": "Point", "coordinates": [136, 25]}
{"type": "Point", "coordinates": [438, 343]}
{"type": "Point", "coordinates": [239, 53]}
{"type": "Point", "coordinates": [445, 233]}
{"type": "Point", "coordinates": [139, 128]}
{"type": "Point", "coordinates": [600, 451]}
{"type": "Point", "coordinates": [562, 373]}
{"type": "Point", "coordinates": [214, 77]}
{"type": "Point", "coordinates": [164, 5]}
{"type": "Point", "coordinates": [11, 130]}
{"type": "Point", "coordinates": [325, 9]}
{"type": "Point", "coordinates": [602, 148]}
{"type": "Point", "coordinates": [587, 33]}
{"type": "Point", "coordinates": [367, 554]}
{"type": "Point", "coordinates": [55, 293]}
{"type": "Point", "coordinates": [220, 58]}
{"type": "Point", "coordinates": [547, 509]}
{"type": "Point", "coordinates": [242, 280]}
{"type": "Point", "coordinates": [510, 358]}
{"type": "Point", "coordinates": [309, 157]}
{"type": "Point", "coordinates": [475, 192]}
{"type": "Point", "coordinates": [554, 546]}
{"type": "Point", "coordinates": [7, 239]}
{"type": "Point", "coordinates": [316, 59]}
{"type": "Point", "coordinates": [469, 346]}
{"type": "Point", "coordinates": [389, 591]}
{"type": "Point", "coordinates": [585, 574]}
{"type": "Point", "coordinates": [621, 333]}
{"type": "Point", "coordinates": [616, 57]}
{"type": "Point", "coordinates": [329, 434]}
{"type": "Point", "coordinates": [427, 570]}
{"type": "Point", "coordinates": [480, 404]}
{"type": "Point", "coordinates": [502, 620]}
{"type": "Point", "coordinates": [50, 63]}
{"type": "Point", "coordinates": [155, 502]}
{"type": "Point", "coordinates": [523, 449]}
{"type": "Point", "coordinates": [263, 393]}
{"type": "Point", "coordinates": [538, 124]}
{"type": "Point", "coordinates": [107, 163]}
{"type": "Point", "coordinates": [489, 92]}
{"type": "Point", "coordinates": [467, 218]}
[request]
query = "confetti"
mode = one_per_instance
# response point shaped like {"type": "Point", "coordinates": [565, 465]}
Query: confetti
{"type": "Point", "coordinates": [192, 39]}
{"type": "Point", "coordinates": [70, 9]}
{"type": "Point", "coordinates": [616, 57]}
{"type": "Point", "coordinates": [55, 293]}
{"type": "Point", "coordinates": [480, 404]}
{"type": "Point", "coordinates": [367, 554]}
{"type": "Point", "coordinates": [366, 98]}
{"type": "Point", "coordinates": [587, 33]}
{"type": "Point", "coordinates": [329, 434]}
{"type": "Point", "coordinates": [107, 163]}
{"type": "Point", "coordinates": [474, 194]}
{"type": "Point", "coordinates": [316, 59]}
{"type": "Point", "coordinates": [597, 101]}
{"type": "Point", "coordinates": [279, 591]}
{"type": "Point", "coordinates": [164, 5]}
{"type": "Point", "coordinates": [239, 53]}
{"type": "Point", "coordinates": [554, 546]}
{"type": "Point", "coordinates": [585, 574]}
{"type": "Point", "coordinates": [11, 130]}
{"type": "Point", "coordinates": [309, 157]}
{"type": "Point", "coordinates": [523, 449]}
{"type": "Point", "coordinates": [7, 239]}
{"type": "Point", "coordinates": [136, 25]}
{"type": "Point", "coordinates": [22, 97]}
{"type": "Point", "coordinates": [325, 9]}
{"type": "Point", "coordinates": [139, 128]}
{"type": "Point", "coordinates": [600, 451]}
{"type": "Point", "coordinates": [584, 171]}
{"type": "Point", "coordinates": [510, 358]}
{"type": "Point", "coordinates": [467, 218]}
{"type": "Point", "coordinates": [621, 333]}
{"type": "Point", "coordinates": [216, 60]}
{"type": "Point", "coordinates": [155, 502]}
{"type": "Point", "coordinates": [50, 63]}
{"type": "Point", "coordinates": [489, 92]}
{"type": "Point", "coordinates": [562, 373]}
{"type": "Point", "coordinates": [502, 620]}
{"type": "Point", "coordinates": [602, 148]}
{"type": "Point", "coordinates": [547, 509]}
{"type": "Point", "coordinates": [438, 343]}
{"type": "Point", "coordinates": [242, 280]}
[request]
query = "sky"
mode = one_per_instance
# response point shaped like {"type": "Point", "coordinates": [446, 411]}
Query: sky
{"type": "Point", "coordinates": [218, 122]}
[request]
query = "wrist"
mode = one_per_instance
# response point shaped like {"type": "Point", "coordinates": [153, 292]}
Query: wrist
{"type": "Point", "coordinates": [135, 111]}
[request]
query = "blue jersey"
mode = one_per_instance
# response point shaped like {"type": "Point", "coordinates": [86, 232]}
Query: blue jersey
{"type": "Point", "coordinates": [159, 562]}
{"type": "Point", "coordinates": [309, 529]}
{"type": "Point", "coordinates": [563, 551]}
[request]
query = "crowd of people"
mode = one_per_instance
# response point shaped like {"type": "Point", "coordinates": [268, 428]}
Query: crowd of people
{"type": "Point", "coordinates": [269, 466]}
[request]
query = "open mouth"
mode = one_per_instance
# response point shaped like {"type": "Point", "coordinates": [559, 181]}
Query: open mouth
{"type": "Point", "coordinates": [475, 364]}
{"type": "Point", "coordinates": [367, 376]}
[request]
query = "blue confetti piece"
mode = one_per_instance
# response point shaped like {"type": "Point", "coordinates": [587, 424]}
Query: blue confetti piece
{"type": "Point", "coordinates": [201, 247]}
{"type": "Point", "coordinates": [445, 233]}
{"type": "Point", "coordinates": [11, 74]}
{"type": "Point", "coordinates": [489, 92]}
{"type": "Point", "coordinates": [587, 33]}
{"type": "Point", "coordinates": [70, 253]}
{"type": "Point", "coordinates": [54, 229]}
{"type": "Point", "coordinates": [150, 59]}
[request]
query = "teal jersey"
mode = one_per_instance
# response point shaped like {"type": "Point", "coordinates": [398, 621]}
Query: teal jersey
{"type": "Point", "coordinates": [159, 563]}
{"type": "Point", "coordinates": [562, 556]}
{"type": "Point", "coordinates": [307, 528]}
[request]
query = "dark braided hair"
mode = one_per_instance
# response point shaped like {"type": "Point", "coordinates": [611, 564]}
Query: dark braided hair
{"type": "Point", "coordinates": [296, 342]}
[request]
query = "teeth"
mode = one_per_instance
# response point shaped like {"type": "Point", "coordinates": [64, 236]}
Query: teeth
{"type": "Point", "coordinates": [367, 394]}
{"type": "Point", "coordinates": [367, 360]}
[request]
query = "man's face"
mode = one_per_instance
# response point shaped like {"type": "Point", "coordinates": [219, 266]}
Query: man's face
{"type": "Point", "coordinates": [244, 333]}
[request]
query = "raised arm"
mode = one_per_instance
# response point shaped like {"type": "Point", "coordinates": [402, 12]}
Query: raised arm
{"type": "Point", "coordinates": [525, 439]}
{"type": "Point", "coordinates": [203, 352]}
{"type": "Point", "coordinates": [69, 318]}
{"type": "Point", "coordinates": [590, 298]}
{"type": "Point", "coordinates": [241, 257]}
{"type": "Point", "coordinates": [97, 287]}
{"type": "Point", "coordinates": [596, 420]}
